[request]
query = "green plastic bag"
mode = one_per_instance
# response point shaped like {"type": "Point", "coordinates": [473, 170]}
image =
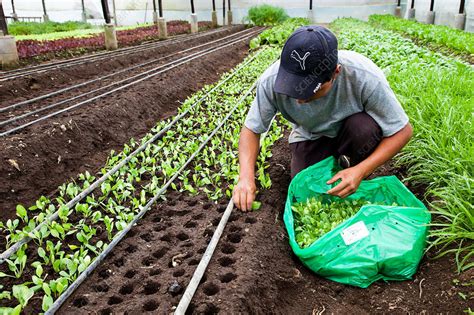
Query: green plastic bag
{"type": "Point", "coordinates": [379, 242]}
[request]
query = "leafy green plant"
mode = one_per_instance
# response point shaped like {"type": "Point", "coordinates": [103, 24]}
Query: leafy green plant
{"type": "Point", "coordinates": [28, 28]}
{"type": "Point", "coordinates": [277, 36]}
{"type": "Point", "coordinates": [266, 15]}
{"type": "Point", "coordinates": [436, 91]}
{"type": "Point", "coordinates": [457, 40]}
{"type": "Point", "coordinates": [316, 217]}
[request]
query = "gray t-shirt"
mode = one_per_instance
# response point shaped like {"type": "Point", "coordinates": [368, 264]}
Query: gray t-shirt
{"type": "Point", "coordinates": [360, 87]}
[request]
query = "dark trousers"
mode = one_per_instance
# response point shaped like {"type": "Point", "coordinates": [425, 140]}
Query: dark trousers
{"type": "Point", "coordinates": [358, 138]}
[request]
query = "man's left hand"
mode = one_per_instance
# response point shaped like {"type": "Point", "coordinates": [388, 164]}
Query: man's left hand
{"type": "Point", "coordinates": [350, 181]}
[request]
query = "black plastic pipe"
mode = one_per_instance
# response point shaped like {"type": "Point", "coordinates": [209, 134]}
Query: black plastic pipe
{"type": "Point", "coordinates": [213, 5]}
{"type": "Point", "coordinates": [229, 5]}
{"type": "Point", "coordinates": [3, 21]}
{"type": "Point", "coordinates": [154, 5]}
{"type": "Point", "coordinates": [461, 6]}
{"type": "Point", "coordinates": [399, 3]}
{"type": "Point", "coordinates": [13, 7]}
{"type": "Point", "coordinates": [223, 11]}
{"type": "Point", "coordinates": [412, 4]}
{"type": "Point", "coordinates": [105, 9]}
{"type": "Point", "coordinates": [311, 4]}
{"type": "Point", "coordinates": [192, 7]}
{"type": "Point", "coordinates": [432, 6]}
{"type": "Point", "coordinates": [44, 7]}
{"type": "Point", "coordinates": [160, 8]}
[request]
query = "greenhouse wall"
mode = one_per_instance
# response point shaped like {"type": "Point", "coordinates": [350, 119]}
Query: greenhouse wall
{"type": "Point", "coordinates": [324, 11]}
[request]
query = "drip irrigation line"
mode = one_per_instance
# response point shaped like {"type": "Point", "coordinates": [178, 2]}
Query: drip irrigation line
{"type": "Point", "coordinates": [42, 97]}
{"type": "Point", "coordinates": [206, 257]}
{"type": "Point", "coordinates": [100, 56]}
{"type": "Point", "coordinates": [187, 59]}
{"type": "Point", "coordinates": [10, 251]}
{"type": "Point", "coordinates": [103, 55]}
{"type": "Point", "coordinates": [58, 303]}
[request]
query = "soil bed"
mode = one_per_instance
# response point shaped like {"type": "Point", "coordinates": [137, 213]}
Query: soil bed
{"type": "Point", "coordinates": [51, 152]}
{"type": "Point", "coordinates": [253, 269]}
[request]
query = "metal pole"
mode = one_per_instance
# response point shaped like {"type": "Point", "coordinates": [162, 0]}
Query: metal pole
{"type": "Point", "coordinates": [461, 7]}
{"type": "Point", "coordinates": [115, 12]}
{"type": "Point", "coordinates": [412, 4]}
{"type": "Point", "coordinates": [160, 8]}
{"type": "Point", "coordinates": [44, 7]}
{"type": "Point", "coordinates": [192, 7]}
{"type": "Point", "coordinates": [105, 10]}
{"type": "Point", "coordinates": [432, 6]}
{"type": "Point", "coordinates": [3, 21]}
{"type": "Point", "coordinates": [311, 4]}
{"type": "Point", "coordinates": [213, 5]}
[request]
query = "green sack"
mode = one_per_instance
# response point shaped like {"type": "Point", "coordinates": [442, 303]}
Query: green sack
{"type": "Point", "coordinates": [380, 242]}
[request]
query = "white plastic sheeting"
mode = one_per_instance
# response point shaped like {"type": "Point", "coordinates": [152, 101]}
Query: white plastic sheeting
{"type": "Point", "coordinates": [139, 11]}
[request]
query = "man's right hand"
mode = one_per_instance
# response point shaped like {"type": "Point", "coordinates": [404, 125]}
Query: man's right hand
{"type": "Point", "coordinates": [244, 194]}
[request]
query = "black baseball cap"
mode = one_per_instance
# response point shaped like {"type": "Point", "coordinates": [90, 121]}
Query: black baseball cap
{"type": "Point", "coordinates": [308, 60]}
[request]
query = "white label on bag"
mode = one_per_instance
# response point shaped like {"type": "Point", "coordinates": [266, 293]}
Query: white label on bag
{"type": "Point", "coordinates": [354, 233]}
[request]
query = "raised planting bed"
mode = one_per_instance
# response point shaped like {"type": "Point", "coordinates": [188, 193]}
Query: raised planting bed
{"type": "Point", "coordinates": [206, 131]}
{"type": "Point", "coordinates": [67, 47]}
{"type": "Point", "coordinates": [436, 37]}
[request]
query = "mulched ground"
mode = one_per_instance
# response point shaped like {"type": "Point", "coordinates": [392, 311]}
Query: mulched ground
{"type": "Point", "coordinates": [253, 270]}
{"type": "Point", "coordinates": [50, 153]}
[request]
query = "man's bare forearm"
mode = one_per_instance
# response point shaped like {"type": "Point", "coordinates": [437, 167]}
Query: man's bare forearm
{"type": "Point", "coordinates": [387, 149]}
{"type": "Point", "coordinates": [248, 151]}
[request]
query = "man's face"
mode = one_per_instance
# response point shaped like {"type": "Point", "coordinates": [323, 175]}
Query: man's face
{"type": "Point", "coordinates": [325, 88]}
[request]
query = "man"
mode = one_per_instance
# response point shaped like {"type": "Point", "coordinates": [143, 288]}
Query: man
{"type": "Point", "coordinates": [339, 103]}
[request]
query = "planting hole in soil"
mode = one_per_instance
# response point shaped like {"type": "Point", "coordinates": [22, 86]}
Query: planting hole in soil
{"type": "Point", "coordinates": [228, 277]}
{"type": "Point", "coordinates": [126, 289]}
{"type": "Point", "coordinates": [151, 287]}
{"type": "Point", "coordinates": [115, 299]}
{"type": "Point", "coordinates": [210, 289]}
{"type": "Point", "coordinates": [228, 248]}
{"type": "Point", "coordinates": [150, 306]}
{"type": "Point", "coordinates": [130, 274]}
{"type": "Point", "coordinates": [226, 261]}
{"type": "Point", "coordinates": [161, 252]}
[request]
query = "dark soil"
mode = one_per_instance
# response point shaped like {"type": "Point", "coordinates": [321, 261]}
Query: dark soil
{"type": "Point", "coordinates": [253, 270]}
{"type": "Point", "coordinates": [49, 153]}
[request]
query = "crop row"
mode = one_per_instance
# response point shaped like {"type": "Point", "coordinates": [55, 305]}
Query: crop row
{"type": "Point", "coordinates": [439, 35]}
{"type": "Point", "coordinates": [32, 48]}
{"type": "Point", "coordinates": [436, 91]}
{"type": "Point", "coordinates": [41, 270]}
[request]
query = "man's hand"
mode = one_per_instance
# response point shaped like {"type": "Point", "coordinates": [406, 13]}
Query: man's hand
{"type": "Point", "coordinates": [244, 194]}
{"type": "Point", "coordinates": [350, 181]}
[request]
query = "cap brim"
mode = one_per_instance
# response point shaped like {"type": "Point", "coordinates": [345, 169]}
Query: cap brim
{"type": "Point", "coordinates": [295, 86]}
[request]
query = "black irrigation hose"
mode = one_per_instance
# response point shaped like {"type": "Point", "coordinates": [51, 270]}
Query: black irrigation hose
{"type": "Point", "coordinates": [45, 96]}
{"type": "Point", "coordinates": [59, 302]}
{"type": "Point", "coordinates": [10, 251]}
{"type": "Point", "coordinates": [13, 74]}
{"type": "Point", "coordinates": [197, 55]}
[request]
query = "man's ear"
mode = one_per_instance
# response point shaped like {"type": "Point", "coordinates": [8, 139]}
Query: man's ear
{"type": "Point", "coordinates": [338, 69]}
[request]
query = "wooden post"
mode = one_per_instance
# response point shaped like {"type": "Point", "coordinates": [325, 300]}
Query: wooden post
{"type": "Point", "coordinates": [3, 21]}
